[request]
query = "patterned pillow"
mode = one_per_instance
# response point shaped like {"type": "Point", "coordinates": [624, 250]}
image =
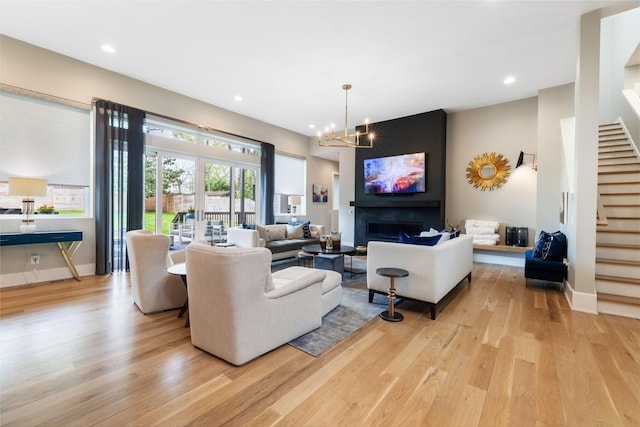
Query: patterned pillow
{"type": "Point", "coordinates": [276, 232]}
{"type": "Point", "coordinates": [262, 232]}
{"type": "Point", "coordinates": [306, 230]}
{"type": "Point", "coordinates": [550, 246]}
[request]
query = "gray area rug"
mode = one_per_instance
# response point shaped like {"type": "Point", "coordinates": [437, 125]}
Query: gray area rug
{"type": "Point", "coordinates": [353, 313]}
{"type": "Point", "coordinates": [355, 264]}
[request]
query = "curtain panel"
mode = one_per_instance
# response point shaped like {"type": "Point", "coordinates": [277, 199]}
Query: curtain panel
{"type": "Point", "coordinates": [119, 181]}
{"type": "Point", "coordinates": [267, 175]}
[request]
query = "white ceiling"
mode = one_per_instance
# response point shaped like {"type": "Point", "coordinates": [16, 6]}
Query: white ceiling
{"type": "Point", "coordinates": [289, 59]}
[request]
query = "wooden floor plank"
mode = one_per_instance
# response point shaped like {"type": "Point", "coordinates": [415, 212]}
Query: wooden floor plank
{"type": "Point", "coordinates": [500, 354]}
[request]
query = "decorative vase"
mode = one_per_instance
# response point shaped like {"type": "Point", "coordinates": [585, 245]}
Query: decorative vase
{"type": "Point", "coordinates": [336, 236]}
{"type": "Point", "coordinates": [522, 236]}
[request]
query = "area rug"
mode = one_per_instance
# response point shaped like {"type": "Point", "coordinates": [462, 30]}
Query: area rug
{"type": "Point", "coordinates": [354, 312]}
{"type": "Point", "coordinates": [356, 264]}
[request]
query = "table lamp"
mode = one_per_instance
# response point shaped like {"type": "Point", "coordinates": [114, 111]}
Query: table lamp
{"type": "Point", "coordinates": [294, 201]}
{"type": "Point", "coordinates": [28, 188]}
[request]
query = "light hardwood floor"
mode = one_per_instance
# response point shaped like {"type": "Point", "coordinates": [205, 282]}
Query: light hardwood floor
{"type": "Point", "coordinates": [80, 353]}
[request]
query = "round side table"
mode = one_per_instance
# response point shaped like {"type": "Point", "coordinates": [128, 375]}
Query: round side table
{"type": "Point", "coordinates": [391, 315]}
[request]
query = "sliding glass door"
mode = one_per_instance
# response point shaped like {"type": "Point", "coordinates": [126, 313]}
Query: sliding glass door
{"type": "Point", "coordinates": [196, 198]}
{"type": "Point", "coordinates": [198, 183]}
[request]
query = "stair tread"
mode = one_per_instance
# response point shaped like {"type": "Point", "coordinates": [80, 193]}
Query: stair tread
{"type": "Point", "coordinates": [617, 261]}
{"type": "Point", "coordinates": [617, 231]}
{"type": "Point", "coordinates": [617, 246]}
{"type": "Point", "coordinates": [606, 278]}
{"type": "Point", "coordinates": [618, 298]}
{"type": "Point", "coordinates": [625, 218]}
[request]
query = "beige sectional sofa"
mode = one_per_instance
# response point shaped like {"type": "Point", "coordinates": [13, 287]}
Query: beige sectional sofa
{"type": "Point", "coordinates": [283, 240]}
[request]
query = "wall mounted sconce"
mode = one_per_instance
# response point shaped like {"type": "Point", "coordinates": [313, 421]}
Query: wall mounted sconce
{"type": "Point", "coordinates": [28, 188]}
{"type": "Point", "coordinates": [520, 162]}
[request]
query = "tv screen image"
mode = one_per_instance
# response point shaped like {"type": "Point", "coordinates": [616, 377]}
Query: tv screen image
{"type": "Point", "coordinates": [395, 174]}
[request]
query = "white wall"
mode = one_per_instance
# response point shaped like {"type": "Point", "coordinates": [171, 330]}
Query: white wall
{"type": "Point", "coordinates": [554, 104]}
{"type": "Point", "coordinates": [620, 35]}
{"type": "Point", "coordinates": [505, 129]}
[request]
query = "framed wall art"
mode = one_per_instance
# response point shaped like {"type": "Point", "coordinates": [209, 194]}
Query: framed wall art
{"type": "Point", "coordinates": [320, 193]}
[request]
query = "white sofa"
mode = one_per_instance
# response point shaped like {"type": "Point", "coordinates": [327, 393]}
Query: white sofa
{"type": "Point", "coordinates": [433, 270]}
{"type": "Point", "coordinates": [281, 248]}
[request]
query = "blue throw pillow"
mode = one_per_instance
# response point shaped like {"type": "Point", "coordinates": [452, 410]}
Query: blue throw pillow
{"type": "Point", "coordinates": [306, 230]}
{"type": "Point", "coordinates": [417, 240]}
{"type": "Point", "coordinates": [550, 246]}
{"type": "Point", "coordinates": [542, 240]}
{"type": "Point", "coordinates": [249, 226]}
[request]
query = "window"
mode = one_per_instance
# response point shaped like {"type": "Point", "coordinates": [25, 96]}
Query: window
{"type": "Point", "coordinates": [290, 180]}
{"type": "Point", "coordinates": [47, 140]}
{"type": "Point", "coordinates": [207, 179]}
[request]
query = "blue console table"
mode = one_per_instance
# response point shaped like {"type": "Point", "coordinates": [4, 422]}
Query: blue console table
{"type": "Point", "coordinates": [68, 242]}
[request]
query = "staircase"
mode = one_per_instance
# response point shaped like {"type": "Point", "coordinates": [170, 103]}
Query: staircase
{"type": "Point", "coordinates": [618, 242]}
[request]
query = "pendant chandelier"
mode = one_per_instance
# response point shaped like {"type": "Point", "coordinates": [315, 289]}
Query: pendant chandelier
{"type": "Point", "coordinates": [331, 139]}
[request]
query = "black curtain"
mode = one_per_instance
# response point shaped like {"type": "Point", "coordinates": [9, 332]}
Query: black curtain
{"type": "Point", "coordinates": [267, 177]}
{"type": "Point", "coordinates": [119, 186]}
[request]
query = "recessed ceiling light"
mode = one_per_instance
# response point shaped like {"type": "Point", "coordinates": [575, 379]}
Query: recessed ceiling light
{"type": "Point", "coordinates": [108, 48]}
{"type": "Point", "coordinates": [237, 98]}
{"type": "Point", "coordinates": [509, 80]}
{"type": "Point", "coordinates": [312, 126]}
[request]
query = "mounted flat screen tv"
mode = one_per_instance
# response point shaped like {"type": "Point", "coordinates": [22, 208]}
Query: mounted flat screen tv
{"type": "Point", "coordinates": [395, 174]}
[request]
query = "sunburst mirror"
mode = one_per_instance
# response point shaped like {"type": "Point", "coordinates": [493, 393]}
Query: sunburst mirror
{"type": "Point", "coordinates": [488, 171]}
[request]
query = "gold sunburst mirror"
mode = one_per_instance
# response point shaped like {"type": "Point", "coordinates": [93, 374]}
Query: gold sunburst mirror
{"type": "Point", "coordinates": [488, 171]}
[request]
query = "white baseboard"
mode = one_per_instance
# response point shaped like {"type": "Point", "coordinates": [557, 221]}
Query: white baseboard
{"type": "Point", "coordinates": [580, 301]}
{"type": "Point", "coordinates": [38, 276]}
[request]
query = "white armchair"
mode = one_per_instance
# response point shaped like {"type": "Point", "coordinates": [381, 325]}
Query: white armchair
{"type": "Point", "coordinates": [237, 312]}
{"type": "Point", "coordinates": [154, 289]}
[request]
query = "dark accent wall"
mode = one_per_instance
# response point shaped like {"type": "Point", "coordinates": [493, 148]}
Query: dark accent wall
{"type": "Point", "coordinates": [424, 132]}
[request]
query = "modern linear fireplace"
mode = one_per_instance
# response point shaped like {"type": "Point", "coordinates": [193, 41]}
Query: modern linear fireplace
{"type": "Point", "coordinates": [390, 230]}
{"type": "Point", "coordinates": [384, 216]}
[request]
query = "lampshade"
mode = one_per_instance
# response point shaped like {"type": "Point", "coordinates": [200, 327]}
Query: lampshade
{"type": "Point", "coordinates": [27, 187]}
{"type": "Point", "coordinates": [521, 160]}
{"type": "Point", "coordinates": [295, 200]}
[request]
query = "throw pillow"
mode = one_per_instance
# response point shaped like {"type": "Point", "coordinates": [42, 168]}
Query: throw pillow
{"type": "Point", "coordinates": [295, 231]}
{"type": "Point", "coordinates": [418, 240]}
{"type": "Point", "coordinates": [262, 232]}
{"type": "Point", "coordinates": [306, 230]}
{"type": "Point", "coordinates": [276, 232]}
{"type": "Point", "coordinates": [550, 246]}
{"type": "Point", "coordinates": [249, 226]}
{"type": "Point", "coordinates": [444, 236]}
{"type": "Point", "coordinates": [555, 249]}
{"type": "Point", "coordinates": [432, 232]}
